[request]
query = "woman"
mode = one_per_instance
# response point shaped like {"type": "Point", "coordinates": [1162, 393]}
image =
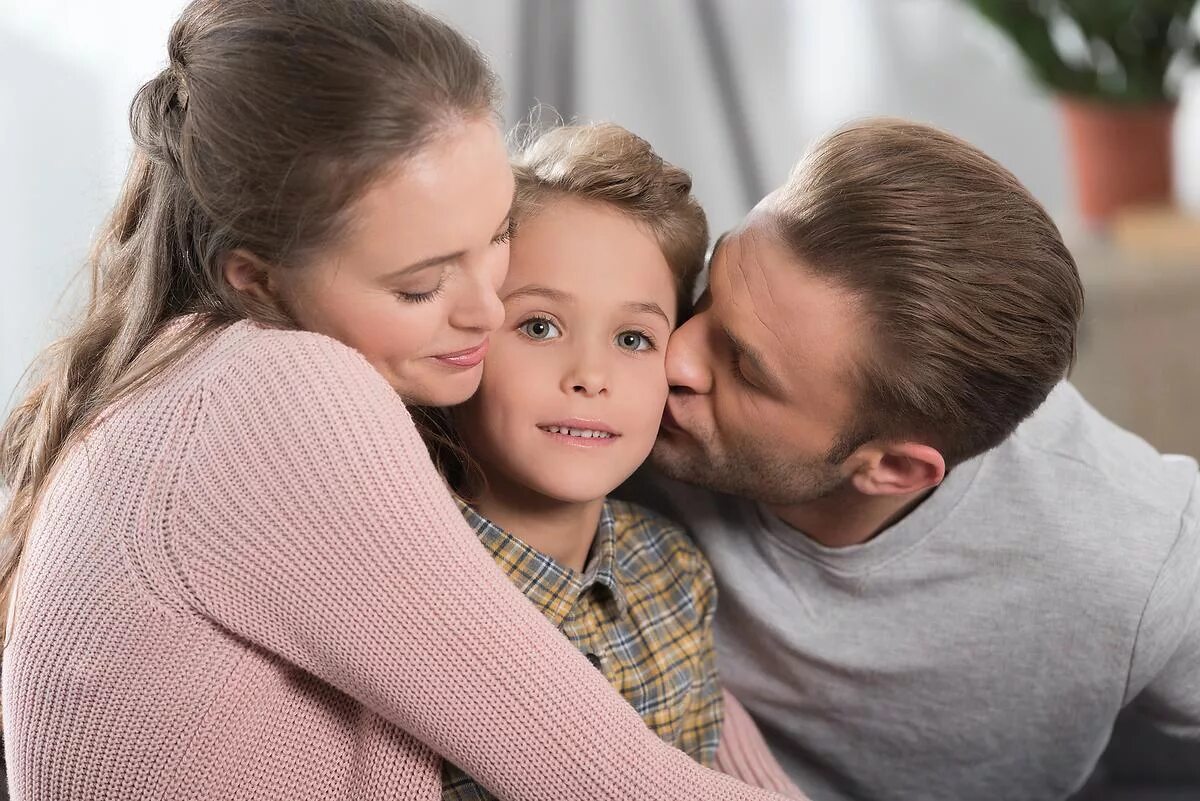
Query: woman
{"type": "Point", "coordinates": [239, 574]}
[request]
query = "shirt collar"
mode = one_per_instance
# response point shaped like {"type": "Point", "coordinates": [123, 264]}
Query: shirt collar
{"type": "Point", "coordinates": [602, 562]}
{"type": "Point", "coordinates": [550, 585]}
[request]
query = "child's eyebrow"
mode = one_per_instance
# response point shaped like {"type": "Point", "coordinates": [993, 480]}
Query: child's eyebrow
{"type": "Point", "coordinates": [557, 295]}
{"type": "Point", "coordinates": [539, 291]}
{"type": "Point", "coordinates": [649, 308]}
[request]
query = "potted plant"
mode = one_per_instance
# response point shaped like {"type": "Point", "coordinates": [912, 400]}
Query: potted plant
{"type": "Point", "coordinates": [1114, 65]}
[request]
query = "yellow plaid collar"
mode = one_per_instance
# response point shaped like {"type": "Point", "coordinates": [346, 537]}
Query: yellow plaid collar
{"type": "Point", "coordinates": [553, 587]}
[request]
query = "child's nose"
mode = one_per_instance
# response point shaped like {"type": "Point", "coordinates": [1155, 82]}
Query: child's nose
{"type": "Point", "coordinates": [588, 375]}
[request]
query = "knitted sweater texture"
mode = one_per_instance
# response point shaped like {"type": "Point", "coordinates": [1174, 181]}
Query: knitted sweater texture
{"type": "Point", "coordinates": [249, 582]}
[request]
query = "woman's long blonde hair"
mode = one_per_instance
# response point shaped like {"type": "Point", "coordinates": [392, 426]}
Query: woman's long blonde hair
{"type": "Point", "coordinates": [270, 119]}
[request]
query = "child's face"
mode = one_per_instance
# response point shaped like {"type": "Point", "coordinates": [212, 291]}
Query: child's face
{"type": "Point", "coordinates": [589, 304]}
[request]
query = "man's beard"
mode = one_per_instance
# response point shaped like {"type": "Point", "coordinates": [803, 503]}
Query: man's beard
{"type": "Point", "coordinates": [748, 472]}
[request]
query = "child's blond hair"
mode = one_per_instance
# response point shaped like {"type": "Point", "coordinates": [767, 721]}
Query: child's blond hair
{"type": "Point", "coordinates": [605, 163]}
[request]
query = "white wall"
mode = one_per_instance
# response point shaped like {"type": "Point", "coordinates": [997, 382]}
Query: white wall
{"type": "Point", "coordinates": [70, 67]}
{"type": "Point", "coordinates": [68, 70]}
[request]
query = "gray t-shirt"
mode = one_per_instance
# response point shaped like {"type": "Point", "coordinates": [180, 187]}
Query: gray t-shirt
{"type": "Point", "coordinates": [981, 647]}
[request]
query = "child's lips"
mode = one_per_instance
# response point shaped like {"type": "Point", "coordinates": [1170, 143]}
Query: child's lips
{"type": "Point", "coordinates": [582, 433]}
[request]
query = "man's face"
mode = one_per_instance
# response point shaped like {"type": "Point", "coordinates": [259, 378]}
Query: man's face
{"type": "Point", "coordinates": [761, 376]}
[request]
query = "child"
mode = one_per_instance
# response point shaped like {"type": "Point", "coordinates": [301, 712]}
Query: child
{"type": "Point", "coordinates": [609, 245]}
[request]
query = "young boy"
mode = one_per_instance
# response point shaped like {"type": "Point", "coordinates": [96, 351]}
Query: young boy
{"type": "Point", "coordinates": [609, 245]}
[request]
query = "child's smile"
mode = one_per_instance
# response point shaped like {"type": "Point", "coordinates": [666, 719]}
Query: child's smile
{"type": "Point", "coordinates": [583, 433]}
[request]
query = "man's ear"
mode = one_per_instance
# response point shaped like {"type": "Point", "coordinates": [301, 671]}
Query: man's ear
{"type": "Point", "coordinates": [251, 276]}
{"type": "Point", "coordinates": [898, 468]}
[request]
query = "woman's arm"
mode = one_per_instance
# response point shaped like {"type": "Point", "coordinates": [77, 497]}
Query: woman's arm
{"type": "Point", "coordinates": [743, 753]}
{"type": "Point", "coordinates": [307, 518]}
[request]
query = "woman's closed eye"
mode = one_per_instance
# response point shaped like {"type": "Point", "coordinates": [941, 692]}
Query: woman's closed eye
{"type": "Point", "coordinates": [504, 236]}
{"type": "Point", "coordinates": [422, 296]}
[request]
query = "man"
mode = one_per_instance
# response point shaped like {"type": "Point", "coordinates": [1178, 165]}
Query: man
{"type": "Point", "coordinates": [942, 574]}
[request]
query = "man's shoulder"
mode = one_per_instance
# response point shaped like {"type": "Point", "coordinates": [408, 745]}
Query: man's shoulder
{"type": "Point", "coordinates": [698, 509]}
{"type": "Point", "coordinates": [1090, 467]}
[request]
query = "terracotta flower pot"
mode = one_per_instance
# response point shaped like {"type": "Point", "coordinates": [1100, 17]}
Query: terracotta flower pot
{"type": "Point", "coordinates": [1121, 155]}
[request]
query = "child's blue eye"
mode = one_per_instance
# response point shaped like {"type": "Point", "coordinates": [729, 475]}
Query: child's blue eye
{"type": "Point", "coordinates": [634, 340]}
{"type": "Point", "coordinates": [539, 328]}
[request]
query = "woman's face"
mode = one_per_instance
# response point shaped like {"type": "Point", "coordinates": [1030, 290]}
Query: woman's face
{"type": "Point", "coordinates": [412, 285]}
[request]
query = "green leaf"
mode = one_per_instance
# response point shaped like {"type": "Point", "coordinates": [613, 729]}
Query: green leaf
{"type": "Point", "coordinates": [1131, 43]}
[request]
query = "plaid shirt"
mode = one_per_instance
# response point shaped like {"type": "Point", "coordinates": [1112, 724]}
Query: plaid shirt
{"type": "Point", "coordinates": [642, 610]}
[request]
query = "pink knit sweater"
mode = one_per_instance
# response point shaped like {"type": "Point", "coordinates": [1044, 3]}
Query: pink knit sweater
{"type": "Point", "coordinates": [248, 582]}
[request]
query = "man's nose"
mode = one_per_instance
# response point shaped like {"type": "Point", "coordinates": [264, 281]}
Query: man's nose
{"type": "Point", "coordinates": [689, 359]}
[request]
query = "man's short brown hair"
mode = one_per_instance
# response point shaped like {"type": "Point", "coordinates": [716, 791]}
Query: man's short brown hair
{"type": "Point", "coordinates": [972, 299]}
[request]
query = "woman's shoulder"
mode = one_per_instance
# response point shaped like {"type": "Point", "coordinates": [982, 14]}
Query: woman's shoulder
{"type": "Point", "coordinates": [250, 345]}
{"type": "Point", "coordinates": [245, 379]}
{"type": "Point", "coordinates": [254, 363]}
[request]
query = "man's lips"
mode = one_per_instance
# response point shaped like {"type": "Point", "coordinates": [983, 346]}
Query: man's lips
{"type": "Point", "coordinates": [668, 419]}
{"type": "Point", "coordinates": [465, 358]}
